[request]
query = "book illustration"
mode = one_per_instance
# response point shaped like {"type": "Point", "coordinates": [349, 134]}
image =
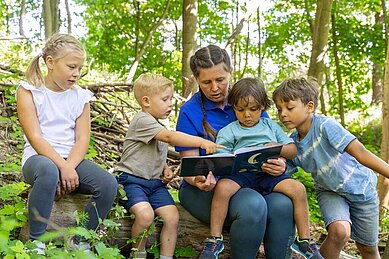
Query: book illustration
{"type": "Point", "coordinates": [243, 159]}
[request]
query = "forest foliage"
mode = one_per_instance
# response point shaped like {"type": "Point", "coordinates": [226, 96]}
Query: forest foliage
{"type": "Point", "coordinates": [275, 43]}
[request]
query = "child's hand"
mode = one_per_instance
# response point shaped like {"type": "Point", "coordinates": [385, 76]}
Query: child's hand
{"type": "Point", "coordinates": [69, 179]}
{"type": "Point", "coordinates": [274, 166]}
{"type": "Point", "coordinates": [167, 175]}
{"type": "Point", "coordinates": [209, 146]}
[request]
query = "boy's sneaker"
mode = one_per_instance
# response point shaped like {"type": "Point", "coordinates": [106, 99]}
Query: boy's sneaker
{"type": "Point", "coordinates": [212, 248]}
{"type": "Point", "coordinates": [306, 248]}
{"type": "Point", "coordinates": [40, 247]}
{"type": "Point", "coordinates": [138, 254]}
{"type": "Point", "coordinates": [75, 243]}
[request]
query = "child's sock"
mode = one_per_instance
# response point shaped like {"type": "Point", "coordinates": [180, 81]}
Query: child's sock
{"type": "Point", "coordinates": [165, 257]}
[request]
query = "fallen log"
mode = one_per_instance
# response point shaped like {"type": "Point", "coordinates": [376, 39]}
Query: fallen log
{"type": "Point", "coordinates": [191, 232]}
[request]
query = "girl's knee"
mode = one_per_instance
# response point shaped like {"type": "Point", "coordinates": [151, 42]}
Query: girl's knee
{"type": "Point", "coordinates": [111, 185]}
{"type": "Point", "coordinates": [47, 172]}
{"type": "Point", "coordinates": [108, 186]}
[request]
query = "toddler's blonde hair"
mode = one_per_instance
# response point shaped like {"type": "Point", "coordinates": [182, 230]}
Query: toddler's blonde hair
{"type": "Point", "coordinates": [149, 84]}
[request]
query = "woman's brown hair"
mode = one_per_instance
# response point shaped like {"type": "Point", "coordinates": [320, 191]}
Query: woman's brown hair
{"type": "Point", "coordinates": [208, 57]}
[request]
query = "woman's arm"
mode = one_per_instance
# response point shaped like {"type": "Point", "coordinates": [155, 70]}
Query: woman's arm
{"type": "Point", "coordinates": [200, 181]}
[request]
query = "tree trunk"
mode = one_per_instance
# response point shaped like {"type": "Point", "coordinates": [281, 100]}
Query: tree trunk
{"type": "Point", "coordinates": [239, 26]}
{"type": "Point", "coordinates": [142, 49]}
{"type": "Point", "coordinates": [337, 68]}
{"type": "Point", "coordinates": [320, 39]}
{"type": "Point", "coordinates": [50, 17]}
{"type": "Point", "coordinates": [69, 16]}
{"type": "Point", "coordinates": [378, 73]}
{"type": "Point", "coordinates": [189, 26]}
{"type": "Point", "coordinates": [259, 44]}
{"type": "Point", "coordinates": [21, 17]}
{"type": "Point", "coordinates": [383, 183]}
{"type": "Point", "coordinates": [377, 84]}
{"type": "Point", "coordinates": [308, 16]}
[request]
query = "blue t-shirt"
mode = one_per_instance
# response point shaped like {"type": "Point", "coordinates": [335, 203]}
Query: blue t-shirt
{"type": "Point", "coordinates": [234, 136]}
{"type": "Point", "coordinates": [322, 153]}
{"type": "Point", "coordinates": [191, 116]}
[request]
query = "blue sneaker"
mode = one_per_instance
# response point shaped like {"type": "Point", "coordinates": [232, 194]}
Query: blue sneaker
{"type": "Point", "coordinates": [212, 248]}
{"type": "Point", "coordinates": [306, 248]}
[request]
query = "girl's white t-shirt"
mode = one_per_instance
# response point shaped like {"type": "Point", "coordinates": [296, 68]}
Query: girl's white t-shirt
{"type": "Point", "coordinates": [57, 113]}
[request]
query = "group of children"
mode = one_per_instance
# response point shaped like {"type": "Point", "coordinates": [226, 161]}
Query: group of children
{"type": "Point", "coordinates": [54, 115]}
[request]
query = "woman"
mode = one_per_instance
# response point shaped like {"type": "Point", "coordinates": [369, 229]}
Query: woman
{"type": "Point", "coordinates": [252, 218]}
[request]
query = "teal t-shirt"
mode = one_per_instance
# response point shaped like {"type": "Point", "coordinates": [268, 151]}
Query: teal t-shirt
{"type": "Point", "coordinates": [234, 136]}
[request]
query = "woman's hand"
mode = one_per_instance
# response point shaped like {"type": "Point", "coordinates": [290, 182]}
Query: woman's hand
{"type": "Point", "coordinates": [205, 183]}
{"type": "Point", "coordinates": [275, 167]}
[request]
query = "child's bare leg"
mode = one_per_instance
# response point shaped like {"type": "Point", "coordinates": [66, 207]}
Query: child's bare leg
{"type": "Point", "coordinates": [296, 192]}
{"type": "Point", "coordinates": [338, 234]}
{"type": "Point", "coordinates": [144, 217]}
{"type": "Point", "coordinates": [225, 189]}
{"type": "Point", "coordinates": [368, 252]}
{"type": "Point", "coordinates": [168, 236]}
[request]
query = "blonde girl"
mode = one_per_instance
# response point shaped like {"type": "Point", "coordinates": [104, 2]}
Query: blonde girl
{"type": "Point", "coordinates": [55, 117]}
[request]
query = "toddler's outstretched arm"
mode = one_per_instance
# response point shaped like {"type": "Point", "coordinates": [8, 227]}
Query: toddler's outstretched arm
{"type": "Point", "coordinates": [176, 138]}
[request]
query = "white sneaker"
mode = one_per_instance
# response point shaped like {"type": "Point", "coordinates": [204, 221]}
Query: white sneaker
{"type": "Point", "coordinates": [138, 254]}
{"type": "Point", "coordinates": [74, 244]}
{"type": "Point", "coordinates": [40, 247]}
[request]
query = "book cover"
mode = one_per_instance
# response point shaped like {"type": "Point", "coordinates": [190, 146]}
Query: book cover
{"type": "Point", "coordinates": [243, 159]}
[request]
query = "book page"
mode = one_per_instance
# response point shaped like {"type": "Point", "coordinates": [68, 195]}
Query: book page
{"type": "Point", "coordinates": [247, 149]}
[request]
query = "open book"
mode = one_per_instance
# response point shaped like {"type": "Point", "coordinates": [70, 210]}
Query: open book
{"type": "Point", "coordinates": [242, 160]}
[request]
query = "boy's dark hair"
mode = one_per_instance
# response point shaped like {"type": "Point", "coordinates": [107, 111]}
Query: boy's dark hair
{"type": "Point", "coordinates": [292, 89]}
{"type": "Point", "coordinates": [247, 87]}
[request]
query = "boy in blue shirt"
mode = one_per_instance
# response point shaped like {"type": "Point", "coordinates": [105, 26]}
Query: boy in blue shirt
{"type": "Point", "coordinates": [342, 169]}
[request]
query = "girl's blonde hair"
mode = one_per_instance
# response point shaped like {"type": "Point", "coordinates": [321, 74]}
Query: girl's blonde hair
{"type": "Point", "coordinates": [57, 46]}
